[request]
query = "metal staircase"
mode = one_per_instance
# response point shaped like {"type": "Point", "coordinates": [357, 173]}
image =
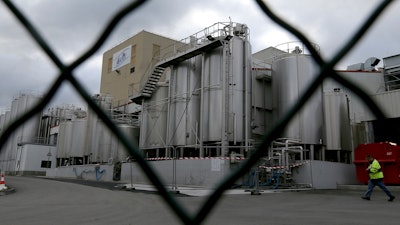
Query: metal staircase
{"type": "Point", "coordinates": [159, 68]}
{"type": "Point", "coordinates": [152, 80]}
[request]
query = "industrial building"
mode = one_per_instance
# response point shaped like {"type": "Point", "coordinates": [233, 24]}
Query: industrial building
{"type": "Point", "coordinates": [124, 65]}
{"type": "Point", "coordinates": [199, 106]}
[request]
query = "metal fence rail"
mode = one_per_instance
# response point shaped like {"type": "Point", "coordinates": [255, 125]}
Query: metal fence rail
{"type": "Point", "coordinates": [66, 74]}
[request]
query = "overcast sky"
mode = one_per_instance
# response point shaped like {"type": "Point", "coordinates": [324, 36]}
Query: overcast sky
{"type": "Point", "coordinates": [70, 26]}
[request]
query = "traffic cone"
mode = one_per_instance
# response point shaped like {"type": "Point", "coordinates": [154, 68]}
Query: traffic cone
{"type": "Point", "coordinates": [2, 182]}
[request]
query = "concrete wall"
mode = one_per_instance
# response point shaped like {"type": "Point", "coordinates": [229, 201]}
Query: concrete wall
{"type": "Point", "coordinates": [325, 175]}
{"type": "Point", "coordinates": [86, 172]}
{"type": "Point", "coordinates": [196, 172]}
{"type": "Point", "coordinates": [208, 173]}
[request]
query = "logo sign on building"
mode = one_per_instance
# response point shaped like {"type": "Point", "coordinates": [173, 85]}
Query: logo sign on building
{"type": "Point", "coordinates": [121, 58]}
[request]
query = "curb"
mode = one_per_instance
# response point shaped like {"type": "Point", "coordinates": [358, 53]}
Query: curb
{"type": "Point", "coordinates": [7, 191]}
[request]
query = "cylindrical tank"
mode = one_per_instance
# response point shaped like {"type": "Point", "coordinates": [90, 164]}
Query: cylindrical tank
{"type": "Point", "coordinates": [119, 152]}
{"type": "Point", "coordinates": [2, 121]}
{"type": "Point", "coordinates": [105, 142]}
{"type": "Point", "coordinates": [31, 127]}
{"type": "Point", "coordinates": [213, 96]}
{"type": "Point", "coordinates": [98, 142]}
{"type": "Point", "coordinates": [2, 150]}
{"type": "Point", "coordinates": [153, 126]}
{"type": "Point", "coordinates": [92, 131]}
{"type": "Point", "coordinates": [238, 87]}
{"type": "Point", "coordinates": [78, 138]}
{"type": "Point", "coordinates": [5, 151]}
{"type": "Point", "coordinates": [64, 140]}
{"type": "Point", "coordinates": [291, 76]}
{"type": "Point", "coordinates": [27, 132]}
{"type": "Point", "coordinates": [226, 92]}
{"type": "Point", "coordinates": [336, 117]}
{"type": "Point", "coordinates": [184, 102]}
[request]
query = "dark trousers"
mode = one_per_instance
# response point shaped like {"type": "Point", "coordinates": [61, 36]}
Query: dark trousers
{"type": "Point", "coordinates": [376, 182]}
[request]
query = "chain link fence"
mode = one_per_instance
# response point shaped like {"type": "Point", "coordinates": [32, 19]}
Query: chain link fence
{"type": "Point", "coordinates": [66, 74]}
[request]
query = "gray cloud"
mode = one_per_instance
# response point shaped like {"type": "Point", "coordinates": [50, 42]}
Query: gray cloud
{"type": "Point", "coordinates": [72, 26]}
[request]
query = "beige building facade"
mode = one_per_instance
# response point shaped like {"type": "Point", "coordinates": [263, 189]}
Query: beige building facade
{"type": "Point", "coordinates": [126, 65]}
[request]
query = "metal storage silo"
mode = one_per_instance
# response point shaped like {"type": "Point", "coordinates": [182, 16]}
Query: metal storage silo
{"type": "Point", "coordinates": [184, 109]}
{"type": "Point", "coordinates": [213, 84]}
{"type": "Point", "coordinates": [103, 141]}
{"type": "Point", "coordinates": [5, 151]}
{"type": "Point", "coordinates": [64, 139]}
{"type": "Point", "coordinates": [153, 127]}
{"type": "Point", "coordinates": [91, 149]}
{"type": "Point", "coordinates": [98, 142]}
{"type": "Point", "coordinates": [337, 120]}
{"type": "Point", "coordinates": [26, 133]}
{"type": "Point", "coordinates": [78, 138]}
{"type": "Point", "coordinates": [2, 121]}
{"type": "Point", "coordinates": [291, 75]}
{"type": "Point", "coordinates": [239, 90]}
{"type": "Point", "coordinates": [29, 131]}
{"type": "Point", "coordinates": [119, 152]}
{"type": "Point", "coordinates": [226, 92]}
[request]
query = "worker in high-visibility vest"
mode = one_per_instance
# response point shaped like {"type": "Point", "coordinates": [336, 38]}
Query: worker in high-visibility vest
{"type": "Point", "coordinates": [375, 179]}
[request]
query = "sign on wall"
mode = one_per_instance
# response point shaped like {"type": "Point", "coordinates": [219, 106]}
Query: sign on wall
{"type": "Point", "coordinates": [121, 58]}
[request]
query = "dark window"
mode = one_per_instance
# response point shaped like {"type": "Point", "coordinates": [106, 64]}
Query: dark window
{"type": "Point", "coordinates": [132, 69]}
{"type": "Point", "coordinates": [46, 164]}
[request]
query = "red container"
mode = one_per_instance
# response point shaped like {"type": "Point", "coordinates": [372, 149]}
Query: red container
{"type": "Point", "coordinates": [388, 156]}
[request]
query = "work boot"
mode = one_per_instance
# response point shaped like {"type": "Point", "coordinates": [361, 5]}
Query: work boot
{"type": "Point", "coordinates": [366, 198]}
{"type": "Point", "coordinates": [391, 199]}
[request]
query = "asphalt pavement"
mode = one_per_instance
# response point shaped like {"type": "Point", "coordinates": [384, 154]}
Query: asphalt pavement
{"type": "Point", "coordinates": [44, 201]}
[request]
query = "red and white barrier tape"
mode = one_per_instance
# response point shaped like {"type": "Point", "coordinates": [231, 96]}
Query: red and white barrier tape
{"type": "Point", "coordinates": [186, 158]}
{"type": "Point", "coordinates": [283, 167]}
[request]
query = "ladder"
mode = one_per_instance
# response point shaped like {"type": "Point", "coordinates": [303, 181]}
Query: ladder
{"type": "Point", "coordinates": [159, 68]}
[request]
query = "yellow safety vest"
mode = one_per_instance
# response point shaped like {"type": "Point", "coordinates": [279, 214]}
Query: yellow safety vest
{"type": "Point", "coordinates": [375, 171]}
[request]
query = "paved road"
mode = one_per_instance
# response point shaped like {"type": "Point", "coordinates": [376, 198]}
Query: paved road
{"type": "Point", "coordinates": [43, 201]}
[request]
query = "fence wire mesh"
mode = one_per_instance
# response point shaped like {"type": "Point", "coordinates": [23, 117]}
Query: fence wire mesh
{"type": "Point", "coordinates": [66, 74]}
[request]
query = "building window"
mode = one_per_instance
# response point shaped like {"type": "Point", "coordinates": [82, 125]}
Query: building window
{"type": "Point", "coordinates": [132, 69]}
{"type": "Point", "coordinates": [45, 164]}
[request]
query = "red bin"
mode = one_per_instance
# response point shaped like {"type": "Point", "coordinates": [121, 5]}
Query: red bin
{"type": "Point", "coordinates": [388, 155]}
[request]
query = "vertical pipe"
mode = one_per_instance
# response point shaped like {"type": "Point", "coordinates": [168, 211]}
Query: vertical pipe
{"type": "Point", "coordinates": [247, 93]}
{"type": "Point", "coordinates": [167, 136]}
{"type": "Point", "coordinates": [287, 155]}
{"type": "Point", "coordinates": [201, 130]}
{"type": "Point", "coordinates": [174, 186]}
{"type": "Point", "coordinates": [234, 128]}
{"type": "Point", "coordinates": [351, 127]}
{"type": "Point", "coordinates": [224, 102]}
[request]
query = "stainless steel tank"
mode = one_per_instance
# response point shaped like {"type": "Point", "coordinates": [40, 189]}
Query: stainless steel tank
{"type": "Point", "coordinates": [93, 130]}
{"type": "Point", "coordinates": [28, 132]}
{"type": "Point", "coordinates": [291, 75]}
{"type": "Point", "coordinates": [184, 110]}
{"type": "Point", "coordinates": [78, 138]}
{"type": "Point", "coordinates": [337, 120]}
{"type": "Point", "coordinates": [31, 127]}
{"type": "Point", "coordinates": [226, 92]}
{"type": "Point", "coordinates": [213, 95]}
{"type": "Point", "coordinates": [64, 140]}
{"type": "Point", "coordinates": [239, 90]}
{"type": "Point", "coordinates": [98, 142]}
{"type": "Point", "coordinates": [119, 152]}
{"type": "Point", "coordinates": [153, 127]}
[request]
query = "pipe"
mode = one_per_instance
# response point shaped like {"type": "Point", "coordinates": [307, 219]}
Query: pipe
{"type": "Point", "coordinates": [234, 128]}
